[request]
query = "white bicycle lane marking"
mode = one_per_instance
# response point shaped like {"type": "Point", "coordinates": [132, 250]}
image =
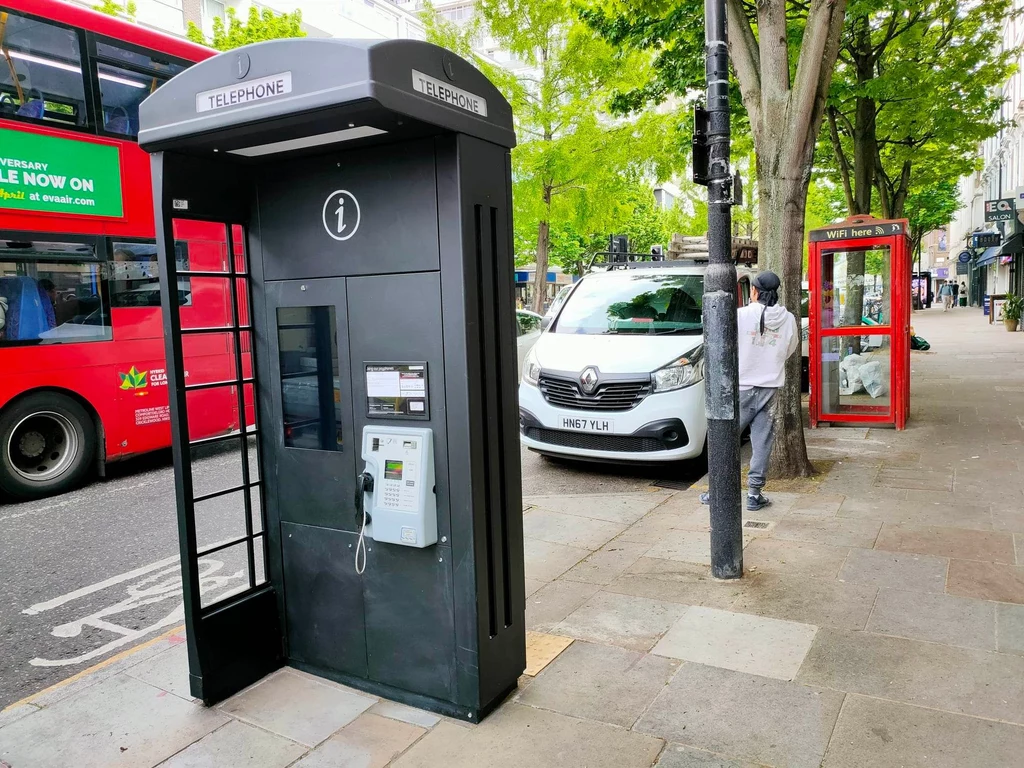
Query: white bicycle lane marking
{"type": "Point", "coordinates": [160, 582]}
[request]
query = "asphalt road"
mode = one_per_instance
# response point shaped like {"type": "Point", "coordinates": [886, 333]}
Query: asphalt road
{"type": "Point", "coordinates": [91, 573]}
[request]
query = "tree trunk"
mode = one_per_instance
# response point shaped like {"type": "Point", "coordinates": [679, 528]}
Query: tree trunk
{"type": "Point", "coordinates": [782, 204]}
{"type": "Point", "coordinates": [864, 153]}
{"type": "Point", "coordinates": [785, 116]}
{"type": "Point", "coordinates": [540, 277]}
{"type": "Point", "coordinates": [853, 301]}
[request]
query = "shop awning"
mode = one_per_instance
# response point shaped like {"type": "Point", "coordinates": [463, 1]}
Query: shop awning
{"type": "Point", "coordinates": [988, 257]}
{"type": "Point", "coordinates": [1014, 245]}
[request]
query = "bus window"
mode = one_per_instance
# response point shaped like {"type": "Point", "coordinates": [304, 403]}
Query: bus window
{"type": "Point", "coordinates": [135, 276]}
{"type": "Point", "coordinates": [52, 293]}
{"type": "Point", "coordinates": [41, 78]}
{"type": "Point", "coordinates": [126, 78]}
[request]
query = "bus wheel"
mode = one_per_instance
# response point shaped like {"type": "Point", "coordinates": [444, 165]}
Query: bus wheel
{"type": "Point", "coordinates": [47, 445]}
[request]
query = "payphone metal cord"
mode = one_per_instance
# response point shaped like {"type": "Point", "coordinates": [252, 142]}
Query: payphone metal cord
{"type": "Point", "coordinates": [361, 545]}
{"type": "Point", "coordinates": [364, 485]}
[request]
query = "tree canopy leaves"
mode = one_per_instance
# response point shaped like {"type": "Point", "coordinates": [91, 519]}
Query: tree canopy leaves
{"type": "Point", "coordinates": [578, 170]}
{"type": "Point", "coordinates": [259, 25]}
{"type": "Point", "coordinates": [912, 96]}
{"type": "Point", "coordinates": [126, 10]}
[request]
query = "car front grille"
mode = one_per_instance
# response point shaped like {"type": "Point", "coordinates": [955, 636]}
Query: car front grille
{"type": "Point", "coordinates": [594, 442]}
{"type": "Point", "coordinates": [609, 395]}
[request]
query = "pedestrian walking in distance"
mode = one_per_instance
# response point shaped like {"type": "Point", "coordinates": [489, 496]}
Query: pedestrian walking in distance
{"type": "Point", "coordinates": [946, 294]}
{"type": "Point", "coordinates": [767, 337]}
{"type": "Point", "coordinates": [956, 292]}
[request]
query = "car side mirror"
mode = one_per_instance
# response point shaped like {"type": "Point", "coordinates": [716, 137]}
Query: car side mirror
{"type": "Point", "coordinates": [545, 322]}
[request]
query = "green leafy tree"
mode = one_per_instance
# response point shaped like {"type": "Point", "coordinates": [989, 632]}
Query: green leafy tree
{"type": "Point", "coordinates": [576, 165]}
{"type": "Point", "coordinates": [929, 209]}
{"type": "Point", "coordinates": [912, 96]}
{"type": "Point", "coordinates": [634, 215]}
{"type": "Point", "coordinates": [260, 25]}
{"type": "Point", "coordinates": [782, 53]}
{"type": "Point", "coordinates": [825, 203]}
{"type": "Point", "coordinates": [114, 8]}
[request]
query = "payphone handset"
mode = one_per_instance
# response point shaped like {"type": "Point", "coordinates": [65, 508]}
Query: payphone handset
{"type": "Point", "coordinates": [398, 502]}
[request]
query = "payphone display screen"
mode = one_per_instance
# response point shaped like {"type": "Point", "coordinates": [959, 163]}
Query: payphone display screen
{"type": "Point", "coordinates": [307, 338]}
{"type": "Point", "coordinates": [397, 390]}
{"type": "Point", "coordinates": [392, 470]}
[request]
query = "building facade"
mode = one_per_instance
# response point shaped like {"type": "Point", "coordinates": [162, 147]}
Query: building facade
{"type": "Point", "coordinates": [996, 269]}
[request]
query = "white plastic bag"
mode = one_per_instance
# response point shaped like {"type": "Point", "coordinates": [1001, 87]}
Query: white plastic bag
{"type": "Point", "coordinates": [849, 374]}
{"type": "Point", "coordinates": [871, 376]}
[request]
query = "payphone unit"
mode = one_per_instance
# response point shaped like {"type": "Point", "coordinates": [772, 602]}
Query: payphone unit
{"type": "Point", "coordinates": [399, 502]}
{"type": "Point", "coordinates": [362, 191]}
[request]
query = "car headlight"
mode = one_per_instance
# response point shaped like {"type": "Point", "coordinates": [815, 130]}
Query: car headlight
{"type": "Point", "coordinates": [531, 369]}
{"type": "Point", "coordinates": [680, 373]}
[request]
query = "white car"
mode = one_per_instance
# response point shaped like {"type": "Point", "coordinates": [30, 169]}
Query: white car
{"type": "Point", "coordinates": [618, 375]}
{"type": "Point", "coordinates": [528, 328]}
{"type": "Point", "coordinates": [556, 303]}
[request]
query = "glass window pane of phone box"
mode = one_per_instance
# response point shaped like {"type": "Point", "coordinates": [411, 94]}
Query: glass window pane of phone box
{"type": "Point", "coordinates": [310, 384]}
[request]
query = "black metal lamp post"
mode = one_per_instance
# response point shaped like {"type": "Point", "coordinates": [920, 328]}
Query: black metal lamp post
{"type": "Point", "coordinates": [721, 343]}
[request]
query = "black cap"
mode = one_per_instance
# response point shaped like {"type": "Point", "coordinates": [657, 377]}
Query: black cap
{"type": "Point", "coordinates": [767, 281]}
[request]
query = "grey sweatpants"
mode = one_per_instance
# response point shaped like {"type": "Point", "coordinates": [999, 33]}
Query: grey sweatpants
{"type": "Point", "coordinates": [756, 413]}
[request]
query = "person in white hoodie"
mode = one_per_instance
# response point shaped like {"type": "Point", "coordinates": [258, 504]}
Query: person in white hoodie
{"type": "Point", "coordinates": [768, 335]}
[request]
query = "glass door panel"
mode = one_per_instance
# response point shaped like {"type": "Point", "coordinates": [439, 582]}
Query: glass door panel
{"type": "Point", "coordinates": [856, 365]}
{"type": "Point", "coordinates": [855, 288]}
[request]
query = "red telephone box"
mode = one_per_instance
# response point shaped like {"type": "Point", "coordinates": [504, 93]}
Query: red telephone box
{"type": "Point", "coordinates": [859, 316]}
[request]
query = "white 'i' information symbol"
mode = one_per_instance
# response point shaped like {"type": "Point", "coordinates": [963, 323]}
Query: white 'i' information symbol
{"type": "Point", "coordinates": [341, 214]}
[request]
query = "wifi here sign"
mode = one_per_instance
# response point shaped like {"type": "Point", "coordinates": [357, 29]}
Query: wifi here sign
{"type": "Point", "coordinates": [50, 174]}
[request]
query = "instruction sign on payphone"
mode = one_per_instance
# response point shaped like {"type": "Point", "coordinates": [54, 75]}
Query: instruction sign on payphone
{"type": "Point", "coordinates": [397, 389]}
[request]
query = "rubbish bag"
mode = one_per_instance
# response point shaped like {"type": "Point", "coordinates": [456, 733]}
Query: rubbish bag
{"type": "Point", "coordinates": [849, 374]}
{"type": "Point", "coordinates": [919, 344]}
{"type": "Point", "coordinates": [871, 376]}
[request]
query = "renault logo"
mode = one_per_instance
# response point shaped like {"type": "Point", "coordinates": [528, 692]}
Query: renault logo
{"type": "Point", "coordinates": [588, 380]}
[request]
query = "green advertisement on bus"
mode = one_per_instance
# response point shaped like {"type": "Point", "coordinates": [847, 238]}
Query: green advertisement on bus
{"type": "Point", "coordinates": [48, 174]}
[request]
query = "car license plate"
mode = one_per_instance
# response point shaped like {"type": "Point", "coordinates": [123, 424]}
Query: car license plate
{"type": "Point", "coordinates": [587, 425]}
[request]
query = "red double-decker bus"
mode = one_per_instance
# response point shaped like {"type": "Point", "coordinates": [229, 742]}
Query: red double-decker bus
{"type": "Point", "coordinates": [82, 375]}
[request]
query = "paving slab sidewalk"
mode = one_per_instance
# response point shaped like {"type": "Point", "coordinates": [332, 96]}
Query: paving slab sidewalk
{"type": "Point", "coordinates": [880, 623]}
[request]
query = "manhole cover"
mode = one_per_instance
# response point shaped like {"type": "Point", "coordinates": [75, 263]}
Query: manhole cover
{"type": "Point", "coordinates": [675, 485]}
{"type": "Point", "coordinates": [756, 524]}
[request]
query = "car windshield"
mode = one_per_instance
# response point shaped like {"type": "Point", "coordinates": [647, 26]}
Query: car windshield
{"type": "Point", "coordinates": [634, 303]}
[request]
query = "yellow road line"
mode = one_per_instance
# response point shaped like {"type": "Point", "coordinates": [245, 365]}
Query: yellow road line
{"type": "Point", "coordinates": [95, 668]}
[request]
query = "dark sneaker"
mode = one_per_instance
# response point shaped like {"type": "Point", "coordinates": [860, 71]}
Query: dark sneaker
{"type": "Point", "coordinates": [705, 498]}
{"type": "Point", "coordinates": [755, 503]}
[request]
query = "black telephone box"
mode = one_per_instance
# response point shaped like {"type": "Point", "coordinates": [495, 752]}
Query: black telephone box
{"type": "Point", "coordinates": [349, 202]}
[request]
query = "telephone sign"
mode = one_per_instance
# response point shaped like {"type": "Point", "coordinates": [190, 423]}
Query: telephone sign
{"type": "Point", "coordinates": [999, 210]}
